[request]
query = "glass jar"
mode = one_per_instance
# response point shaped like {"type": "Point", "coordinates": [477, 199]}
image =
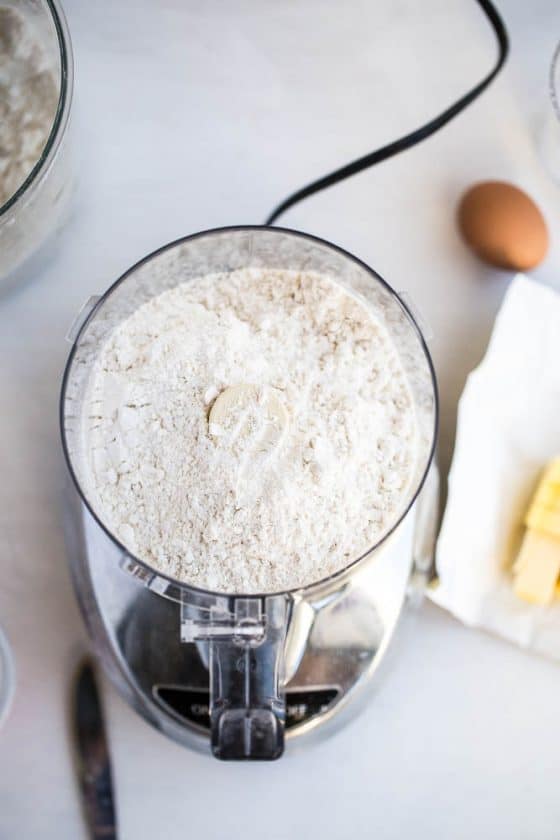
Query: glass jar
{"type": "Point", "coordinates": [7, 678]}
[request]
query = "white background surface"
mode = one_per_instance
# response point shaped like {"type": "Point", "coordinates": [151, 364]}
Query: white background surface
{"type": "Point", "coordinates": [191, 115]}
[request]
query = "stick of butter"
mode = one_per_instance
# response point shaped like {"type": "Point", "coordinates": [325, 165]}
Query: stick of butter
{"type": "Point", "coordinates": [537, 567]}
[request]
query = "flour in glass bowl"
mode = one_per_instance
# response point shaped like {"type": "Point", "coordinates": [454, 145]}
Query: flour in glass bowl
{"type": "Point", "coordinates": [251, 431]}
{"type": "Point", "coordinates": [28, 99]}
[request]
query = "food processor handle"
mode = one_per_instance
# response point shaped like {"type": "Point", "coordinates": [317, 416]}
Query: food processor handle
{"type": "Point", "coordinates": [246, 641]}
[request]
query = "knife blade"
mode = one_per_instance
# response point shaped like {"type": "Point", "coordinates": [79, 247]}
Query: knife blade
{"type": "Point", "coordinates": [94, 763]}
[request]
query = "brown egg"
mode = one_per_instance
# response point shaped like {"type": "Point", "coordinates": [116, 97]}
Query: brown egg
{"type": "Point", "coordinates": [503, 226]}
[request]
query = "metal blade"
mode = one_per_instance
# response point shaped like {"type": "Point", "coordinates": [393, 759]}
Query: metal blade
{"type": "Point", "coordinates": [94, 764]}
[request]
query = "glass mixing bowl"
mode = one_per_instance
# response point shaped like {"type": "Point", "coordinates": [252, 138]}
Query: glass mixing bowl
{"type": "Point", "coordinates": [35, 210]}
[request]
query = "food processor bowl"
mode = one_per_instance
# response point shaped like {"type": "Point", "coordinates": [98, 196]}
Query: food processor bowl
{"type": "Point", "coordinates": [36, 208]}
{"type": "Point", "coordinates": [250, 650]}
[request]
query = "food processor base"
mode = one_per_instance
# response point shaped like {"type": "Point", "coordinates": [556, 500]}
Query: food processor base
{"type": "Point", "coordinates": [335, 643]}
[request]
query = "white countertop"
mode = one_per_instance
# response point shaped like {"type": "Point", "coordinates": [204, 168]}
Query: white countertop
{"type": "Point", "coordinates": [193, 115]}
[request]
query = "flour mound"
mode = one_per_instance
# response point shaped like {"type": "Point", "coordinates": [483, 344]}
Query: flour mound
{"type": "Point", "coordinates": [213, 507]}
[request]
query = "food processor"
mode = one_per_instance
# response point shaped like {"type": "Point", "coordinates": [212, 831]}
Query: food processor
{"type": "Point", "coordinates": [239, 673]}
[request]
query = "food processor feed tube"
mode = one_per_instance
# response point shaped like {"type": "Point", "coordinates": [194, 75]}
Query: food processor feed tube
{"type": "Point", "coordinates": [246, 647]}
{"type": "Point", "coordinates": [251, 642]}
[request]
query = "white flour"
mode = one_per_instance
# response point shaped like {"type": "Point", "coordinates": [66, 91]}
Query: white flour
{"type": "Point", "coordinates": [287, 483]}
{"type": "Point", "coordinates": [28, 100]}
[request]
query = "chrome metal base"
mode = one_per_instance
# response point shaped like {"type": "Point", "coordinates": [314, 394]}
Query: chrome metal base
{"type": "Point", "coordinates": [336, 639]}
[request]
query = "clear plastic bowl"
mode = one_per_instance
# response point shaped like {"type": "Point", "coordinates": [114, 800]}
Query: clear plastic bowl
{"type": "Point", "coordinates": [36, 209]}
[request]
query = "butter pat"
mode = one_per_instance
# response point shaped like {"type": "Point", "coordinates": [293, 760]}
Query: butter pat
{"type": "Point", "coordinates": [247, 410]}
{"type": "Point", "coordinates": [537, 567]}
{"type": "Point", "coordinates": [544, 513]}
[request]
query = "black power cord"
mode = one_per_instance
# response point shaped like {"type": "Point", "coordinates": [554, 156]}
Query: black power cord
{"type": "Point", "coordinates": [414, 137]}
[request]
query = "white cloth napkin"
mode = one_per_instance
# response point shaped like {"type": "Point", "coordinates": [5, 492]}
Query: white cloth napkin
{"type": "Point", "coordinates": [508, 429]}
